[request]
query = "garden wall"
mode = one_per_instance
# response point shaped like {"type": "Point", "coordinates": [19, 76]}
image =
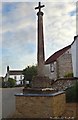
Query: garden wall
{"type": "Point", "coordinates": [40, 106]}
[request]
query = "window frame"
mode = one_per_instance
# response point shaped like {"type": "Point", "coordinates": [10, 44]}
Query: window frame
{"type": "Point", "coordinates": [52, 67]}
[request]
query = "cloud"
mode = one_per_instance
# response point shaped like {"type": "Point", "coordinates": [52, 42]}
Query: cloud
{"type": "Point", "coordinates": [72, 13]}
{"type": "Point", "coordinates": [20, 30]}
{"type": "Point", "coordinates": [60, 26]}
{"type": "Point", "coordinates": [39, 1]}
{"type": "Point", "coordinates": [18, 15]}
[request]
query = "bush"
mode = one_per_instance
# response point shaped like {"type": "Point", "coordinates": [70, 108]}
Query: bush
{"type": "Point", "coordinates": [72, 94]}
{"type": "Point", "coordinates": [68, 75]}
{"type": "Point", "coordinates": [11, 82]}
{"type": "Point", "coordinates": [3, 84]}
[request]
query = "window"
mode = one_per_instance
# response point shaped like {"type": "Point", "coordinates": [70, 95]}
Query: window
{"type": "Point", "coordinates": [21, 77]}
{"type": "Point", "coordinates": [15, 77]}
{"type": "Point", "coordinates": [52, 67]}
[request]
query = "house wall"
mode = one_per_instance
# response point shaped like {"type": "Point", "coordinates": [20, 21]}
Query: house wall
{"type": "Point", "coordinates": [74, 50]}
{"type": "Point", "coordinates": [65, 64]}
{"type": "Point", "coordinates": [17, 77]}
{"type": "Point", "coordinates": [77, 57]}
{"type": "Point", "coordinates": [48, 73]}
{"type": "Point", "coordinates": [62, 66]}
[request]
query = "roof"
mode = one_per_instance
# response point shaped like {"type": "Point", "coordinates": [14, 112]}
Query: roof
{"type": "Point", "coordinates": [57, 54]}
{"type": "Point", "coordinates": [15, 72]}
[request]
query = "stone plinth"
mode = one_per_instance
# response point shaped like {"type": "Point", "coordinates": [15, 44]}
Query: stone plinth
{"type": "Point", "coordinates": [41, 82]}
{"type": "Point", "coordinates": [40, 105]}
{"type": "Point", "coordinates": [38, 91]}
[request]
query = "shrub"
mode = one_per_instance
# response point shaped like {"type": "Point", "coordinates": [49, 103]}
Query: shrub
{"type": "Point", "coordinates": [72, 93]}
{"type": "Point", "coordinates": [11, 82]}
{"type": "Point", "coordinates": [68, 75]}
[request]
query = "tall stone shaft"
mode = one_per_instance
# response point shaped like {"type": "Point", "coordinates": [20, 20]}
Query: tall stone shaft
{"type": "Point", "coordinates": [40, 51]}
{"type": "Point", "coordinates": [40, 47]}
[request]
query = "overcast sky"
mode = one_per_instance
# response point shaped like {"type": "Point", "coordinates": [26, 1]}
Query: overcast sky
{"type": "Point", "coordinates": [19, 31]}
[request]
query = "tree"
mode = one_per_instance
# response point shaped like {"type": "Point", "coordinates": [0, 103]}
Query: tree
{"type": "Point", "coordinates": [11, 82]}
{"type": "Point", "coordinates": [29, 72]}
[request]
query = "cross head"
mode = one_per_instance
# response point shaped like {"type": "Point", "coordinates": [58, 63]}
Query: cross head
{"type": "Point", "coordinates": [40, 6]}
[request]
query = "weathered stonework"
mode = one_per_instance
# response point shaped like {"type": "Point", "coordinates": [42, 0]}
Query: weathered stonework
{"type": "Point", "coordinates": [48, 73]}
{"type": "Point", "coordinates": [64, 64]}
{"type": "Point", "coordinates": [40, 42]}
{"type": "Point", "coordinates": [40, 106]}
{"type": "Point", "coordinates": [41, 82]}
{"type": "Point", "coordinates": [58, 105]}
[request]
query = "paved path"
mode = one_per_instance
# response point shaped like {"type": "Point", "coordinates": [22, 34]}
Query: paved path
{"type": "Point", "coordinates": [0, 103]}
{"type": "Point", "coordinates": [8, 101]}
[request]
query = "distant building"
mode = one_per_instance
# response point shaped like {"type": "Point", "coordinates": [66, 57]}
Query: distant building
{"type": "Point", "coordinates": [74, 49]}
{"type": "Point", "coordinates": [59, 64]}
{"type": "Point", "coordinates": [15, 74]}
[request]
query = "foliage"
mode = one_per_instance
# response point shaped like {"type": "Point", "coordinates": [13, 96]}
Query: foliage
{"type": "Point", "coordinates": [72, 93]}
{"type": "Point", "coordinates": [29, 72]}
{"type": "Point", "coordinates": [11, 82]}
{"type": "Point", "coordinates": [68, 75]}
{"type": "Point", "coordinates": [3, 83]}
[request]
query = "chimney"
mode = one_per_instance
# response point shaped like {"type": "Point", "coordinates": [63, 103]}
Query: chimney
{"type": "Point", "coordinates": [7, 69]}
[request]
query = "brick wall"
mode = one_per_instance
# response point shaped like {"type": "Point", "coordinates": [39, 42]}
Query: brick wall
{"type": "Point", "coordinates": [40, 107]}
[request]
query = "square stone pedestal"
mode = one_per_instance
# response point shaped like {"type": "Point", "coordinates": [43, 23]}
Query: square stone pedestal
{"type": "Point", "coordinates": [40, 105]}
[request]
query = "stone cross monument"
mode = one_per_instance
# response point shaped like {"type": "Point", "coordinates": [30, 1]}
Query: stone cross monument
{"type": "Point", "coordinates": [40, 81]}
{"type": "Point", "coordinates": [40, 47]}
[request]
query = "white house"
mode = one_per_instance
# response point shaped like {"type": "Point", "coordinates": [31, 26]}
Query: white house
{"type": "Point", "coordinates": [74, 49]}
{"type": "Point", "coordinates": [15, 74]}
